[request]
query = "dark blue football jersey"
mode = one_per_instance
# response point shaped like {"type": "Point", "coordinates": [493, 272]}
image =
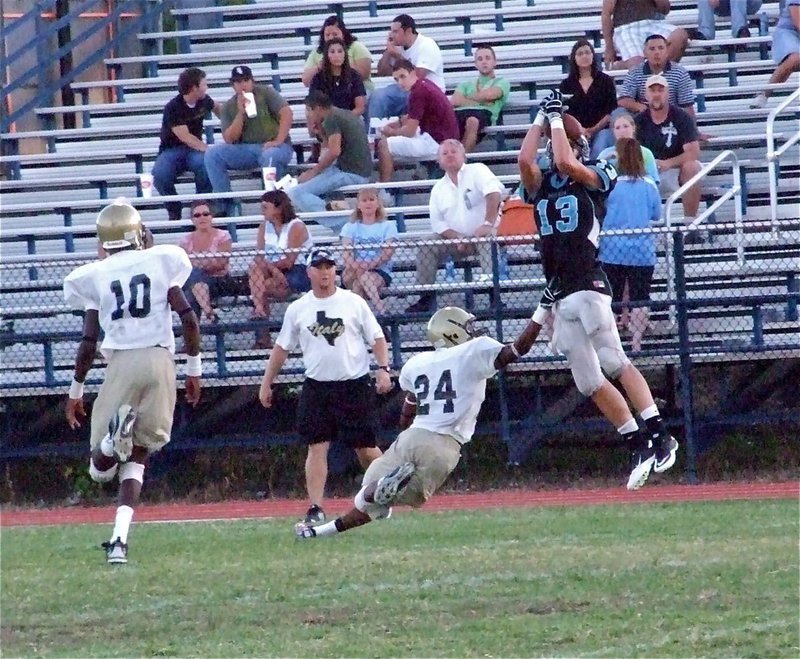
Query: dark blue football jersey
{"type": "Point", "coordinates": [568, 215]}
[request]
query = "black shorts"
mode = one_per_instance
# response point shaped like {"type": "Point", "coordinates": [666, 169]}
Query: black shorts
{"type": "Point", "coordinates": [484, 118]}
{"type": "Point", "coordinates": [338, 411]}
{"type": "Point", "coordinates": [638, 277]}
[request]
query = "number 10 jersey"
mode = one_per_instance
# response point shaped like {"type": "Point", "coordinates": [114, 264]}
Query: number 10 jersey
{"type": "Point", "coordinates": [450, 385]}
{"type": "Point", "coordinates": [129, 290]}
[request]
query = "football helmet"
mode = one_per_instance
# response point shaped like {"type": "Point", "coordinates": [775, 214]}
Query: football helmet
{"type": "Point", "coordinates": [119, 225]}
{"type": "Point", "coordinates": [580, 146]}
{"type": "Point", "coordinates": [452, 326]}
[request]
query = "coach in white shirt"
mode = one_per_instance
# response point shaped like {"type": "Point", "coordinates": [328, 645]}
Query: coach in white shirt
{"type": "Point", "coordinates": [423, 52]}
{"type": "Point", "coordinates": [464, 203]}
{"type": "Point", "coordinates": [332, 327]}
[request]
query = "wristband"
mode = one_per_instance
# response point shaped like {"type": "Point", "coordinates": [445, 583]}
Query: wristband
{"type": "Point", "coordinates": [76, 390]}
{"type": "Point", "coordinates": [540, 315]}
{"type": "Point", "coordinates": [194, 365]}
{"type": "Point", "coordinates": [385, 368]}
{"type": "Point", "coordinates": [514, 349]}
{"type": "Point", "coordinates": [540, 119]}
{"type": "Point", "coordinates": [556, 122]}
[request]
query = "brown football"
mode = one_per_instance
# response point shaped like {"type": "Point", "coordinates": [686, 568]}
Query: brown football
{"type": "Point", "coordinates": [571, 125]}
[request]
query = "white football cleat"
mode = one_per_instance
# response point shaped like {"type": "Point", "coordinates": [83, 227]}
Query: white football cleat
{"type": "Point", "coordinates": [393, 483]}
{"type": "Point", "coordinates": [120, 429]}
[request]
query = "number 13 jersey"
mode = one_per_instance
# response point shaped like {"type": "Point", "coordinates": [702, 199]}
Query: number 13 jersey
{"type": "Point", "coordinates": [450, 385]}
{"type": "Point", "coordinates": [568, 216]}
{"type": "Point", "coordinates": [129, 289]}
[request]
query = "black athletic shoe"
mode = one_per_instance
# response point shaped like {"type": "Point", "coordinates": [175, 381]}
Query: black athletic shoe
{"type": "Point", "coordinates": [314, 515]}
{"type": "Point", "coordinates": [666, 449]}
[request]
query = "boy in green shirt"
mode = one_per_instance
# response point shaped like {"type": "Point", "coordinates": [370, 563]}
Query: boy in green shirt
{"type": "Point", "coordinates": [478, 103]}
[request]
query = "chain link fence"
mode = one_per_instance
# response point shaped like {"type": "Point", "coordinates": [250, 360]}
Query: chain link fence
{"type": "Point", "coordinates": [729, 295]}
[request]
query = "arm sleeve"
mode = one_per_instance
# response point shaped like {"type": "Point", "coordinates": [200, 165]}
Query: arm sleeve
{"type": "Point", "coordinates": [275, 102]}
{"type": "Point", "coordinates": [483, 354]}
{"type": "Point", "coordinates": [429, 56]}
{"type": "Point", "coordinates": [172, 117]}
{"type": "Point", "coordinates": [650, 165]}
{"type": "Point", "coordinates": [630, 87]}
{"type": "Point", "coordinates": [438, 221]}
{"type": "Point", "coordinates": [177, 266]}
{"type": "Point", "coordinates": [79, 292]}
{"type": "Point", "coordinates": [488, 181]}
{"type": "Point", "coordinates": [607, 174]}
{"type": "Point", "coordinates": [358, 85]}
{"type": "Point", "coordinates": [405, 380]}
{"type": "Point", "coordinates": [288, 337]}
{"type": "Point", "coordinates": [358, 50]}
{"type": "Point", "coordinates": [686, 95]}
{"type": "Point", "coordinates": [227, 115]}
{"type": "Point", "coordinates": [654, 200]}
{"type": "Point", "coordinates": [331, 125]}
{"type": "Point", "coordinates": [609, 94]}
{"type": "Point", "coordinates": [687, 128]}
{"type": "Point", "coordinates": [370, 328]}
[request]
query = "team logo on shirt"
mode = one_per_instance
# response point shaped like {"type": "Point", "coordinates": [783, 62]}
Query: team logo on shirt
{"type": "Point", "coordinates": [329, 329]}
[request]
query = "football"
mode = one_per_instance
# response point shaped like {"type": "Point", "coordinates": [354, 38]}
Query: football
{"type": "Point", "coordinates": [571, 125]}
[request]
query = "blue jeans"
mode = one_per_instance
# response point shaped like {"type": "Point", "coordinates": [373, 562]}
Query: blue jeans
{"type": "Point", "coordinates": [222, 157]}
{"type": "Point", "coordinates": [307, 198]}
{"type": "Point", "coordinates": [738, 10]}
{"type": "Point", "coordinates": [602, 140]}
{"type": "Point", "coordinates": [169, 165]}
{"type": "Point", "coordinates": [387, 102]}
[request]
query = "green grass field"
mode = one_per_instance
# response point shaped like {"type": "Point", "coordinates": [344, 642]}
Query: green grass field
{"type": "Point", "coordinates": [656, 580]}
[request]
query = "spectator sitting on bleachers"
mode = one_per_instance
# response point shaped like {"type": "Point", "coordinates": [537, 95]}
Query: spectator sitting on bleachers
{"type": "Point", "coordinates": [738, 10]}
{"type": "Point", "coordinates": [404, 42]}
{"type": "Point", "coordinates": [417, 135]}
{"type": "Point", "coordinates": [464, 203]}
{"type": "Point", "coordinates": [624, 126]}
{"type": "Point", "coordinates": [627, 23]}
{"type": "Point", "coordinates": [344, 160]}
{"type": "Point", "coordinates": [592, 96]}
{"type": "Point", "coordinates": [277, 273]}
{"type": "Point", "coordinates": [633, 96]}
{"type": "Point", "coordinates": [341, 83]}
{"type": "Point", "coordinates": [206, 247]}
{"type": "Point", "coordinates": [671, 134]}
{"type": "Point", "coordinates": [785, 49]}
{"type": "Point", "coordinates": [182, 146]}
{"type": "Point", "coordinates": [368, 238]}
{"type": "Point", "coordinates": [629, 260]}
{"type": "Point", "coordinates": [479, 102]}
{"type": "Point", "coordinates": [358, 54]}
{"type": "Point", "coordinates": [260, 140]}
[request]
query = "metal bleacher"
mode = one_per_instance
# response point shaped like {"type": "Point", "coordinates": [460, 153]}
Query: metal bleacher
{"type": "Point", "coordinates": [742, 281]}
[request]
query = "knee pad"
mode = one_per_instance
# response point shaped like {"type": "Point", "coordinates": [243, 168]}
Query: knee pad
{"type": "Point", "coordinates": [612, 360]}
{"type": "Point", "coordinates": [131, 471]}
{"type": "Point", "coordinates": [374, 510]}
{"type": "Point", "coordinates": [101, 476]}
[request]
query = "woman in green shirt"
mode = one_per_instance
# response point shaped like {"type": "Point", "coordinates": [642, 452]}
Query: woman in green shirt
{"type": "Point", "coordinates": [357, 53]}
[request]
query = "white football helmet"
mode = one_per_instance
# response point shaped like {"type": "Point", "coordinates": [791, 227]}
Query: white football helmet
{"type": "Point", "coordinates": [452, 326]}
{"type": "Point", "coordinates": [119, 225]}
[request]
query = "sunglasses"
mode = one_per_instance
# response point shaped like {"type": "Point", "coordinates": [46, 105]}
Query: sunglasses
{"type": "Point", "coordinates": [203, 214]}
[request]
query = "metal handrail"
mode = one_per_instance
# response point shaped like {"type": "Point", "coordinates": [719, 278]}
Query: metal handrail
{"type": "Point", "coordinates": [734, 192]}
{"type": "Point", "coordinates": [774, 155]}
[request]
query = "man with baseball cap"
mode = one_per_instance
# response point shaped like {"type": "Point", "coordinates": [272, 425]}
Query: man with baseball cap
{"type": "Point", "coordinates": [671, 134]}
{"type": "Point", "coordinates": [332, 328]}
{"type": "Point", "coordinates": [255, 126]}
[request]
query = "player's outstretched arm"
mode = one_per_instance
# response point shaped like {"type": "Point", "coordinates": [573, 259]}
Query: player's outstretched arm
{"type": "Point", "coordinates": [563, 156]}
{"type": "Point", "coordinates": [83, 362]}
{"type": "Point", "coordinates": [529, 173]}
{"type": "Point", "coordinates": [522, 345]}
{"type": "Point", "coordinates": [191, 338]}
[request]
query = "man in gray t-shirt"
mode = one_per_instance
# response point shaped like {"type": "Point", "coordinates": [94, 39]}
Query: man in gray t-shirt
{"type": "Point", "coordinates": [345, 157]}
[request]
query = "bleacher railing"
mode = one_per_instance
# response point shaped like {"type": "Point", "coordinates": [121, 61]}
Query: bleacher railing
{"type": "Point", "coordinates": [774, 154]}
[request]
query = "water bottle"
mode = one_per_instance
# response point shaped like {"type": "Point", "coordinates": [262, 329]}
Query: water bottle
{"type": "Point", "coordinates": [502, 264]}
{"type": "Point", "coordinates": [449, 270]}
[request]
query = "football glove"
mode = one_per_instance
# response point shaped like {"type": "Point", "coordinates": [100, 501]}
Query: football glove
{"type": "Point", "coordinates": [554, 105]}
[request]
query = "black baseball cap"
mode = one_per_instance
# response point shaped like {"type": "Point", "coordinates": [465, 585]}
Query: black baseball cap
{"type": "Point", "coordinates": [320, 256]}
{"type": "Point", "coordinates": [241, 72]}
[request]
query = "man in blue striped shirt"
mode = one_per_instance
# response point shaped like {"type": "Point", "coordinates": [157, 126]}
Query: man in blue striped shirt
{"type": "Point", "coordinates": [681, 86]}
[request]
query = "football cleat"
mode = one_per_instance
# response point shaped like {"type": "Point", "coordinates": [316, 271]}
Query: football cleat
{"type": "Point", "coordinates": [641, 464]}
{"type": "Point", "coordinates": [666, 449]}
{"type": "Point", "coordinates": [116, 552]}
{"type": "Point", "coordinates": [303, 531]}
{"type": "Point", "coordinates": [314, 515]}
{"type": "Point", "coordinates": [391, 485]}
{"type": "Point", "coordinates": [120, 429]}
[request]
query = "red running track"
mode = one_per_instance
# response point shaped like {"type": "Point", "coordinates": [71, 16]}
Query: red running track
{"type": "Point", "coordinates": [496, 499]}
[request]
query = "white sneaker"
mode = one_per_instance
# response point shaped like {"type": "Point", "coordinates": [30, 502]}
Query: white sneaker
{"type": "Point", "coordinates": [393, 484]}
{"type": "Point", "coordinates": [759, 101]}
{"type": "Point", "coordinates": [303, 531]}
{"type": "Point", "coordinates": [641, 464]}
{"type": "Point", "coordinates": [120, 429]}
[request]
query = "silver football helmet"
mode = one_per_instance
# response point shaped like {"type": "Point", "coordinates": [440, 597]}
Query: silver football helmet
{"type": "Point", "coordinates": [452, 326]}
{"type": "Point", "coordinates": [580, 146]}
{"type": "Point", "coordinates": [119, 225]}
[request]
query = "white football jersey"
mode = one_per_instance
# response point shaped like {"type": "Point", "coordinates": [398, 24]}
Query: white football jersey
{"type": "Point", "coordinates": [333, 334]}
{"type": "Point", "coordinates": [129, 291]}
{"type": "Point", "coordinates": [450, 385]}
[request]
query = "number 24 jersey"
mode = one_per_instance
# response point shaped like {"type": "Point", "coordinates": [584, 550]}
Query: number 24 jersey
{"type": "Point", "coordinates": [129, 290]}
{"type": "Point", "coordinates": [450, 385]}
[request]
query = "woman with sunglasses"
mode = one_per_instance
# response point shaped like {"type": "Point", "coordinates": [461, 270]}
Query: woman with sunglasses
{"type": "Point", "coordinates": [279, 269]}
{"type": "Point", "coordinates": [209, 251]}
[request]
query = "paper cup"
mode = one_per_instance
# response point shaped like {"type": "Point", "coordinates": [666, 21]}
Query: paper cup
{"type": "Point", "coordinates": [146, 183]}
{"type": "Point", "coordinates": [268, 175]}
{"type": "Point", "coordinates": [250, 107]}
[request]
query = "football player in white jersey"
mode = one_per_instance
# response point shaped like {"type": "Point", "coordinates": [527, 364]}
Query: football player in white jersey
{"type": "Point", "coordinates": [444, 392]}
{"type": "Point", "coordinates": [130, 295]}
